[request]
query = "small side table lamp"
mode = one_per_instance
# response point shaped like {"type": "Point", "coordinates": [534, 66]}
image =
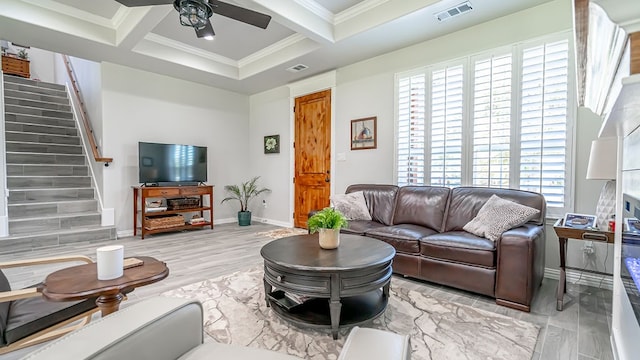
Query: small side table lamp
{"type": "Point", "coordinates": [603, 166]}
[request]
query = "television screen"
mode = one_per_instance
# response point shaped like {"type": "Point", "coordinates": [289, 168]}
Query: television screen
{"type": "Point", "coordinates": [171, 163]}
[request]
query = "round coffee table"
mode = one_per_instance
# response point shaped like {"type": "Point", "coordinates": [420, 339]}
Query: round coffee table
{"type": "Point", "coordinates": [322, 288]}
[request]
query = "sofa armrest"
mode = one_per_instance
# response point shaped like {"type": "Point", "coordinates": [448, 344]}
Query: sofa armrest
{"type": "Point", "coordinates": [155, 328]}
{"type": "Point", "coordinates": [520, 265]}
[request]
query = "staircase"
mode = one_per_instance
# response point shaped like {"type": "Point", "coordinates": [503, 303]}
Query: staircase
{"type": "Point", "coordinates": [51, 198]}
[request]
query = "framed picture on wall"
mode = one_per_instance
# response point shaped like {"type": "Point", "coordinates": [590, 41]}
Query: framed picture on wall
{"type": "Point", "coordinates": [364, 133]}
{"type": "Point", "coordinates": [272, 144]}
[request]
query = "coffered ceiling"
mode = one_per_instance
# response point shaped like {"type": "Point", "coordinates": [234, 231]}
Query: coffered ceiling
{"type": "Point", "coordinates": [321, 34]}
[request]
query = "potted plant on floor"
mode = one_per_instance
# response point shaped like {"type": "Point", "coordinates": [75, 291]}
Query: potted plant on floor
{"type": "Point", "coordinates": [328, 223]}
{"type": "Point", "coordinates": [244, 193]}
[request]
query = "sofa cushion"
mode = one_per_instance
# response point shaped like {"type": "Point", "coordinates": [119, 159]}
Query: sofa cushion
{"type": "Point", "coordinates": [460, 246]}
{"type": "Point", "coordinates": [466, 202]}
{"type": "Point", "coordinates": [421, 205]}
{"type": "Point", "coordinates": [30, 315]}
{"type": "Point", "coordinates": [360, 226]}
{"type": "Point", "coordinates": [498, 215]}
{"type": "Point", "coordinates": [404, 238]}
{"type": "Point", "coordinates": [352, 205]}
{"type": "Point", "coordinates": [381, 200]}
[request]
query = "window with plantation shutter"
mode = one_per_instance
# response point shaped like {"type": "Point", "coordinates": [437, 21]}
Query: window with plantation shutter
{"type": "Point", "coordinates": [491, 120]}
{"type": "Point", "coordinates": [543, 126]}
{"type": "Point", "coordinates": [446, 126]}
{"type": "Point", "coordinates": [410, 131]}
{"type": "Point", "coordinates": [499, 119]}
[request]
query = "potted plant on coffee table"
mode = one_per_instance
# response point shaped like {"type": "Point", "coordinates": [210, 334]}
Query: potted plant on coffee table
{"type": "Point", "coordinates": [244, 193]}
{"type": "Point", "coordinates": [328, 223]}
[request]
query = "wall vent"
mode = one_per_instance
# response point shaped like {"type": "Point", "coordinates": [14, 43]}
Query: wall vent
{"type": "Point", "coordinates": [297, 68]}
{"type": "Point", "coordinates": [454, 11]}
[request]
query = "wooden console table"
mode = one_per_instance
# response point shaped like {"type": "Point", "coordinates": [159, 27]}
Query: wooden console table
{"type": "Point", "coordinates": [15, 66]}
{"type": "Point", "coordinates": [564, 233]}
{"type": "Point", "coordinates": [141, 193]}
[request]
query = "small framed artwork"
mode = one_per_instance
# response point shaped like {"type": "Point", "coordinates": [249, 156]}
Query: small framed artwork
{"type": "Point", "coordinates": [632, 225]}
{"type": "Point", "coordinates": [580, 221]}
{"type": "Point", "coordinates": [272, 144]}
{"type": "Point", "coordinates": [364, 133]}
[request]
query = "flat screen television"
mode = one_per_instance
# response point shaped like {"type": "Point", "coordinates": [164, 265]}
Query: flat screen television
{"type": "Point", "coordinates": [171, 163]}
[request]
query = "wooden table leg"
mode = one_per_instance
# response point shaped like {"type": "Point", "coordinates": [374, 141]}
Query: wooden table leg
{"type": "Point", "coordinates": [109, 303]}
{"type": "Point", "coordinates": [562, 281]}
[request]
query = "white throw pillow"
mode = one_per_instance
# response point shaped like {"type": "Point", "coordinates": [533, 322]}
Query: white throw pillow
{"type": "Point", "coordinates": [498, 215]}
{"type": "Point", "coordinates": [352, 205]}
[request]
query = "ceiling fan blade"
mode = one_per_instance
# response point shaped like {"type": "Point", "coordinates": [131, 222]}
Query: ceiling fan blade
{"type": "Point", "coordinates": [207, 30]}
{"type": "Point", "coordinates": [133, 3]}
{"type": "Point", "coordinates": [241, 14]}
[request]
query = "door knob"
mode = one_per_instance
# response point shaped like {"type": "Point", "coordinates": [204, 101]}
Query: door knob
{"type": "Point", "coordinates": [326, 178]}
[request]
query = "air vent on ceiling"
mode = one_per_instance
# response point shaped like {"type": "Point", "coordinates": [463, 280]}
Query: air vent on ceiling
{"type": "Point", "coordinates": [296, 68]}
{"type": "Point", "coordinates": [454, 11]}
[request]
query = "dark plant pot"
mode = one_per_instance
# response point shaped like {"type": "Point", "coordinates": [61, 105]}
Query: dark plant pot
{"type": "Point", "coordinates": [244, 218]}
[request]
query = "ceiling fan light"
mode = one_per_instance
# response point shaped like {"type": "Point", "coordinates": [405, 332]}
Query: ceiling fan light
{"type": "Point", "coordinates": [194, 13]}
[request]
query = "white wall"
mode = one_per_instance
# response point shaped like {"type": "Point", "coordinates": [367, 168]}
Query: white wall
{"type": "Point", "coordinates": [142, 106]}
{"type": "Point", "coordinates": [270, 116]}
{"type": "Point", "coordinates": [89, 81]}
{"type": "Point", "coordinates": [367, 89]}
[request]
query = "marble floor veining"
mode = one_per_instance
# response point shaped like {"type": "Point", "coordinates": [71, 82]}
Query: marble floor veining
{"type": "Point", "coordinates": [580, 332]}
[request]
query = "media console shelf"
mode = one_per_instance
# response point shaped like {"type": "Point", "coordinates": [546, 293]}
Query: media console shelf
{"type": "Point", "coordinates": [142, 193]}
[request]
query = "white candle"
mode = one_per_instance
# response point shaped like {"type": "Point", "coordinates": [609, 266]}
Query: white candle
{"type": "Point", "coordinates": [110, 262]}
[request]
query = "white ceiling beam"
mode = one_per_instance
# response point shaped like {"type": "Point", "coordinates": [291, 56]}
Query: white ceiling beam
{"type": "Point", "coordinates": [297, 17]}
{"type": "Point", "coordinates": [137, 22]}
{"type": "Point", "coordinates": [277, 54]}
{"type": "Point", "coordinates": [172, 51]}
{"type": "Point", "coordinates": [41, 17]}
{"type": "Point", "coordinates": [370, 14]}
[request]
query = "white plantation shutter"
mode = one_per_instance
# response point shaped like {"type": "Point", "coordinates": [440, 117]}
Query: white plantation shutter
{"type": "Point", "coordinates": [492, 121]}
{"type": "Point", "coordinates": [410, 135]}
{"type": "Point", "coordinates": [545, 97]}
{"type": "Point", "coordinates": [503, 124]}
{"type": "Point", "coordinates": [446, 126]}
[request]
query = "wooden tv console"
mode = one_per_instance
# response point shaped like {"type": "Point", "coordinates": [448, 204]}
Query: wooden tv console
{"type": "Point", "coordinates": [148, 218]}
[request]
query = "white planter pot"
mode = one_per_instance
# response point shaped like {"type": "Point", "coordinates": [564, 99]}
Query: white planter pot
{"type": "Point", "coordinates": [329, 238]}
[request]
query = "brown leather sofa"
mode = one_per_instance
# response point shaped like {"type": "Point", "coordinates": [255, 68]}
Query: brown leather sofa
{"type": "Point", "coordinates": [424, 225]}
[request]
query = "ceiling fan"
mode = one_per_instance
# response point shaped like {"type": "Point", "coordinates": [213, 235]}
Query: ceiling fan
{"type": "Point", "coordinates": [196, 13]}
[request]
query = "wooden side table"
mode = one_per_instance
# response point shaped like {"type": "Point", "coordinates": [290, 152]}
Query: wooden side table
{"type": "Point", "coordinates": [81, 282]}
{"type": "Point", "coordinates": [564, 233]}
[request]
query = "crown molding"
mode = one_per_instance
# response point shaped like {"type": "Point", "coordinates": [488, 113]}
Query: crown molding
{"type": "Point", "coordinates": [177, 45]}
{"type": "Point", "coordinates": [357, 10]}
{"type": "Point", "coordinates": [271, 49]}
{"type": "Point", "coordinates": [316, 9]}
{"type": "Point", "coordinates": [72, 12]}
{"type": "Point", "coordinates": [120, 16]}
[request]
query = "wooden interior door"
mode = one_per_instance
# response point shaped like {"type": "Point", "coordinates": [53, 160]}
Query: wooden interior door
{"type": "Point", "coordinates": [312, 182]}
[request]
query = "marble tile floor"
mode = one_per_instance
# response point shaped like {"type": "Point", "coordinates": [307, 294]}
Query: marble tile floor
{"type": "Point", "coordinates": [580, 332]}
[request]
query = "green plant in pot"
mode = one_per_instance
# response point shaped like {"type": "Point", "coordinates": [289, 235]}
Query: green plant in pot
{"type": "Point", "coordinates": [244, 193]}
{"type": "Point", "coordinates": [328, 223]}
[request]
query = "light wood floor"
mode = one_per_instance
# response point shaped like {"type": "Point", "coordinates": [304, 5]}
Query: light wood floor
{"type": "Point", "coordinates": [580, 332]}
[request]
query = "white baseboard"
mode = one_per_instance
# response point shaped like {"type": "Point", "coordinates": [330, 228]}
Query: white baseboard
{"type": "Point", "coordinates": [224, 221]}
{"type": "Point", "coordinates": [4, 226]}
{"type": "Point", "coordinates": [574, 276]}
{"type": "Point", "coordinates": [614, 346]}
{"type": "Point", "coordinates": [108, 217]}
{"type": "Point", "coordinates": [273, 222]}
{"type": "Point", "coordinates": [124, 233]}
